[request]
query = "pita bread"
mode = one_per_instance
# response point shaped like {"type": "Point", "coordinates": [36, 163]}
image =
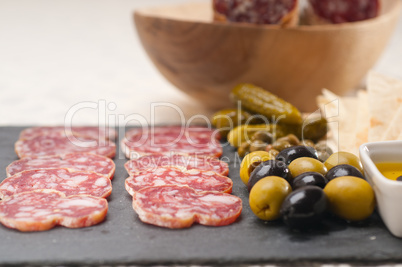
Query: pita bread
{"type": "Point", "coordinates": [347, 140]}
{"type": "Point", "coordinates": [330, 109]}
{"type": "Point", "coordinates": [394, 130]}
{"type": "Point", "coordinates": [362, 120]}
{"type": "Point", "coordinates": [374, 115]}
{"type": "Point", "coordinates": [385, 97]}
{"type": "Point", "coordinates": [341, 116]}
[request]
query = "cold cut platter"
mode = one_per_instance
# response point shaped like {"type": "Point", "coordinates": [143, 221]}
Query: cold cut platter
{"type": "Point", "coordinates": [123, 239]}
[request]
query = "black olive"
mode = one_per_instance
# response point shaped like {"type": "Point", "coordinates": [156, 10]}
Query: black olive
{"type": "Point", "coordinates": [309, 178]}
{"type": "Point", "coordinates": [399, 179]}
{"type": "Point", "coordinates": [304, 207]}
{"type": "Point", "coordinates": [289, 154]}
{"type": "Point", "coordinates": [343, 170]}
{"type": "Point", "coordinates": [268, 168]}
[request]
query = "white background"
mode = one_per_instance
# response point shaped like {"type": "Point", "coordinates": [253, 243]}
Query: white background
{"type": "Point", "coordinates": [55, 54]}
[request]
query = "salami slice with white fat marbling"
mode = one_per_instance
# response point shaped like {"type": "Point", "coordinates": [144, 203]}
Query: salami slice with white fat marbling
{"type": "Point", "coordinates": [194, 141]}
{"type": "Point", "coordinates": [41, 210]}
{"type": "Point", "coordinates": [42, 145]}
{"type": "Point", "coordinates": [197, 179]}
{"type": "Point", "coordinates": [176, 206]}
{"type": "Point", "coordinates": [282, 12]}
{"type": "Point", "coordinates": [74, 161]}
{"type": "Point", "coordinates": [66, 181]}
{"type": "Point", "coordinates": [92, 132]}
{"type": "Point", "coordinates": [341, 11]}
{"type": "Point", "coordinates": [188, 162]}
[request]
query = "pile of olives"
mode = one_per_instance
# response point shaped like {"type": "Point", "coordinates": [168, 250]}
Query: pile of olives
{"type": "Point", "coordinates": [265, 122]}
{"type": "Point", "coordinates": [289, 172]}
{"type": "Point", "coordinates": [263, 141]}
{"type": "Point", "coordinates": [251, 133]}
{"type": "Point", "coordinates": [297, 187]}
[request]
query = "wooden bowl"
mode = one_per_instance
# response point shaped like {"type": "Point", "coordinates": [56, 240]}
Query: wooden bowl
{"type": "Point", "coordinates": [206, 59]}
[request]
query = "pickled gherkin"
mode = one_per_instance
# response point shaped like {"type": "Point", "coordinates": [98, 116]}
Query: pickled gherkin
{"type": "Point", "coordinates": [260, 101]}
{"type": "Point", "coordinates": [312, 128]}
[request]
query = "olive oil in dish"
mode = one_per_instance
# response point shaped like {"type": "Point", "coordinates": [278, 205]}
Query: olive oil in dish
{"type": "Point", "coordinates": [391, 170]}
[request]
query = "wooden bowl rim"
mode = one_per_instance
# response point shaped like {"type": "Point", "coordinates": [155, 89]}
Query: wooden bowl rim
{"type": "Point", "coordinates": [393, 10]}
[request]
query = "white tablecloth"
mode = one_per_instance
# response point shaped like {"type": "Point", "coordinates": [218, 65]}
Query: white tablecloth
{"type": "Point", "coordinates": [70, 59]}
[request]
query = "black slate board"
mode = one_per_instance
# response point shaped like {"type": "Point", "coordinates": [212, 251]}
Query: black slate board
{"type": "Point", "coordinates": [123, 240]}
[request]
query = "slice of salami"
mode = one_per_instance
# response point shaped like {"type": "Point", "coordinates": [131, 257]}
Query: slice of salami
{"type": "Point", "coordinates": [42, 145]}
{"type": "Point", "coordinates": [340, 11]}
{"type": "Point", "coordinates": [181, 206]}
{"type": "Point", "coordinates": [171, 139]}
{"type": "Point", "coordinates": [283, 12]}
{"type": "Point", "coordinates": [68, 182]}
{"type": "Point", "coordinates": [41, 210]}
{"type": "Point", "coordinates": [91, 132]}
{"type": "Point", "coordinates": [73, 161]}
{"type": "Point", "coordinates": [197, 179]}
{"type": "Point", "coordinates": [188, 162]}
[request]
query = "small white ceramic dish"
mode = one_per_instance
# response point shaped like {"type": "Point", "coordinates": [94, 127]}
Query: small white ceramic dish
{"type": "Point", "coordinates": [388, 192]}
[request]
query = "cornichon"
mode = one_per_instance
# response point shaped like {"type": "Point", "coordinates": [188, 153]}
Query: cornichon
{"type": "Point", "coordinates": [313, 128]}
{"type": "Point", "coordinates": [258, 100]}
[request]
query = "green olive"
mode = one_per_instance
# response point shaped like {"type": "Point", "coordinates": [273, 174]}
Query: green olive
{"type": "Point", "coordinates": [225, 120]}
{"type": "Point", "coordinates": [267, 195]}
{"type": "Point", "coordinates": [291, 138]}
{"type": "Point", "coordinates": [281, 144]}
{"type": "Point", "coordinates": [272, 151]}
{"type": "Point", "coordinates": [306, 164]}
{"type": "Point", "coordinates": [323, 155]}
{"type": "Point", "coordinates": [243, 133]}
{"type": "Point", "coordinates": [308, 142]}
{"type": "Point", "coordinates": [339, 158]}
{"type": "Point", "coordinates": [350, 198]}
{"type": "Point", "coordinates": [264, 136]}
{"type": "Point", "coordinates": [250, 162]}
{"type": "Point", "coordinates": [258, 145]}
{"type": "Point", "coordinates": [322, 146]}
{"type": "Point", "coordinates": [323, 150]}
{"type": "Point", "coordinates": [243, 149]}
